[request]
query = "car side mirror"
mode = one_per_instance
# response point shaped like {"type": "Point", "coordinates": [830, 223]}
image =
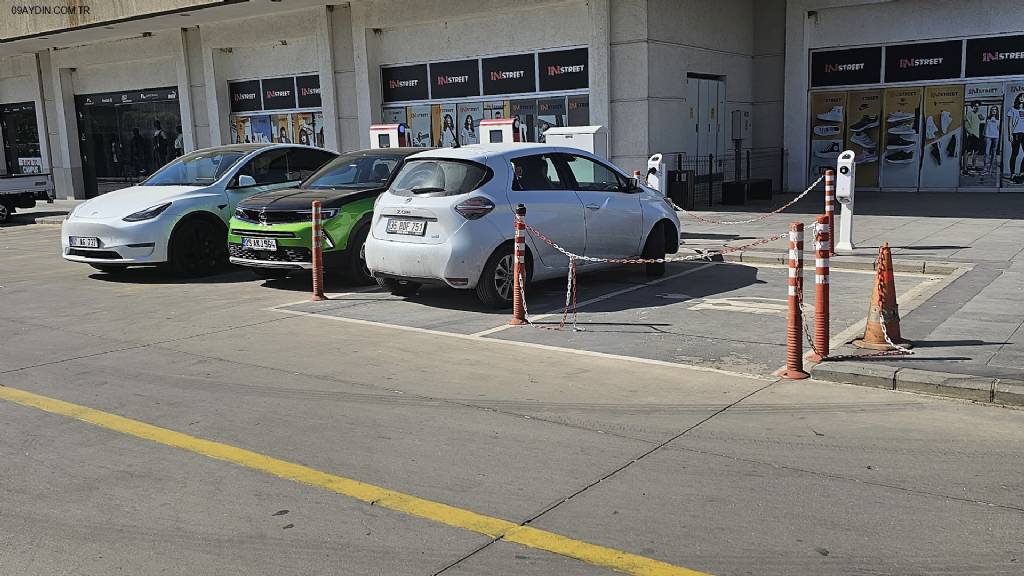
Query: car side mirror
{"type": "Point", "coordinates": [245, 180]}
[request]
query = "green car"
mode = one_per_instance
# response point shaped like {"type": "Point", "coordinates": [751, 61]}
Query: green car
{"type": "Point", "coordinates": [271, 232]}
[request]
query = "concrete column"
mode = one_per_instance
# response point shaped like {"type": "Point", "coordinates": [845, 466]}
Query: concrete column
{"type": "Point", "coordinates": [184, 91]}
{"type": "Point", "coordinates": [598, 63]}
{"type": "Point", "coordinates": [68, 179]}
{"type": "Point", "coordinates": [367, 73]}
{"type": "Point", "coordinates": [41, 60]}
{"type": "Point", "coordinates": [325, 64]}
{"type": "Point", "coordinates": [217, 103]}
{"type": "Point", "coordinates": [796, 123]}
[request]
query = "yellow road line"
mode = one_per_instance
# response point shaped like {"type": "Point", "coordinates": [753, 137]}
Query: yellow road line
{"type": "Point", "coordinates": [400, 502]}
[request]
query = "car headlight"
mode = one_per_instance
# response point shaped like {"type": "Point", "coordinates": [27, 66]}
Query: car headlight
{"type": "Point", "coordinates": [147, 214]}
{"type": "Point", "coordinates": [325, 213]}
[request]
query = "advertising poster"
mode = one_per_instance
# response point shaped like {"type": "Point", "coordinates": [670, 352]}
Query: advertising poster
{"type": "Point", "coordinates": [525, 113]}
{"type": "Point", "coordinates": [282, 127]}
{"type": "Point", "coordinates": [902, 153]}
{"type": "Point", "coordinates": [419, 125]}
{"type": "Point", "coordinates": [550, 114]}
{"type": "Point", "coordinates": [828, 118]}
{"type": "Point", "coordinates": [496, 109]}
{"type": "Point", "coordinates": [981, 161]}
{"type": "Point", "coordinates": [30, 165]}
{"type": "Point", "coordinates": [1013, 135]}
{"type": "Point", "coordinates": [303, 128]}
{"type": "Point", "coordinates": [943, 117]}
{"type": "Point", "coordinates": [469, 122]}
{"type": "Point", "coordinates": [443, 124]}
{"type": "Point", "coordinates": [261, 130]}
{"type": "Point", "coordinates": [241, 130]}
{"type": "Point", "coordinates": [318, 121]}
{"type": "Point", "coordinates": [394, 116]}
{"type": "Point", "coordinates": [863, 127]}
{"type": "Point", "coordinates": [579, 110]}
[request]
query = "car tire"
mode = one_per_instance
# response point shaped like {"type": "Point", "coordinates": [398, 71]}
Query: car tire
{"type": "Point", "coordinates": [358, 272]}
{"type": "Point", "coordinates": [494, 288]}
{"type": "Point", "coordinates": [5, 212]}
{"type": "Point", "coordinates": [198, 248]}
{"type": "Point", "coordinates": [654, 248]}
{"type": "Point", "coordinates": [110, 268]}
{"type": "Point", "coordinates": [399, 287]}
{"type": "Point", "coordinates": [271, 273]}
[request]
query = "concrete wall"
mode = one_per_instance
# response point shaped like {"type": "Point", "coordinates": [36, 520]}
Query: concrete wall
{"type": "Point", "coordinates": [17, 76]}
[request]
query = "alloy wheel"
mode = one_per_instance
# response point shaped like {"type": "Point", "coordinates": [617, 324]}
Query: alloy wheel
{"type": "Point", "coordinates": [503, 277]}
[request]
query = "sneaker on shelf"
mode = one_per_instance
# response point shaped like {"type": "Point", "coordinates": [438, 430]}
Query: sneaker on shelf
{"type": "Point", "coordinates": [934, 151]}
{"type": "Point", "coordinates": [833, 115]}
{"type": "Point", "coordinates": [900, 157]}
{"type": "Point", "coordinates": [831, 150]}
{"type": "Point", "coordinates": [945, 119]}
{"type": "Point", "coordinates": [900, 142]}
{"type": "Point", "coordinates": [863, 140]}
{"type": "Point", "coordinates": [866, 158]}
{"type": "Point", "coordinates": [866, 122]}
{"type": "Point", "coordinates": [895, 117]}
{"type": "Point", "coordinates": [827, 130]}
{"type": "Point", "coordinates": [930, 129]}
{"type": "Point", "coordinates": [951, 147]}
{"type": "Point", "coordinates": [903, 129]}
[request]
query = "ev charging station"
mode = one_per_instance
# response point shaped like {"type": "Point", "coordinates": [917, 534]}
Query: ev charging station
{"type": "Point", "coordinates": [389, 136]}
{"type": "Point", "coordinates": [845, 183]}
{"type": "Point", "coordinates": [498, 130]}
{"type": "Point", "coordinates": [593, 139]}
{"type": "Point", "coordinates": [657, 178]}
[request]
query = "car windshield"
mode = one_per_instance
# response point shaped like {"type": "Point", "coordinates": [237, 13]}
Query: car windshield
{"type": "Point", "coordinates": [354, 171]}
{"type": "Point", "coordinates": [196, 169]}
{"type": "Point", "coordinates": [434, 177]}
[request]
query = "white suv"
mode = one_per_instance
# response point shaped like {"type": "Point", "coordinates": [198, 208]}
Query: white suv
{"type": "Point", "coordinates": [448, 217]}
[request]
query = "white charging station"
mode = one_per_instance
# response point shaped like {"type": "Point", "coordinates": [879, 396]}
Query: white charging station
{"type": "Point", "coordinates": [657, 178]}
{"type": "Point", "coordinates": [388, 136]}
{"type": "Point", "coordinates": [593, 139]}
{"type": "Point", "coordinates": [498, 130]}
{"type": "Point", "coordinates": [846, 180]}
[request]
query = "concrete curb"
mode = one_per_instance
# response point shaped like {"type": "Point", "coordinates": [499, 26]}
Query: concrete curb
{"type": "Point", "coordinates": [51, 219]}
{"type": "Point", "coordinates": [963, 386]}
{"type": "Point", "coordinates": [851, 262]}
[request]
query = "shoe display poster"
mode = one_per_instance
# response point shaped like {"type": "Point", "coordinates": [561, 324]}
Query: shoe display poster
{"type": "Point", "coordinates": [863, 126]}
{"type": "Point", "coordinates": [981, 163]}
{"type": "Point", "coordinates": [901, 160]}
{"type": "Point", "coordinates": [943, 117]}
{"type": "Point", "coordinates": [442, 117]}
{"type": "Point", "coordinates": [1013, 135]}
{"type": "Point", "coordinates": [828, 116]}
{"type": "Point", "coordinates": [419, 125]}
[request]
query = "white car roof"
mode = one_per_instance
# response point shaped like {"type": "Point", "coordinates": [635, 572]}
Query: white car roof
{"type": "Point", "coordinates": [481, 152]}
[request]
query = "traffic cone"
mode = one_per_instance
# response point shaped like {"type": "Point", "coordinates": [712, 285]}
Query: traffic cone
{"type": "Point", "coordinates": [882, 307]}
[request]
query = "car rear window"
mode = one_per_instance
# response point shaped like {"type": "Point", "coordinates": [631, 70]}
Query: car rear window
{"type": "Point", "coordinates": [435, 177]}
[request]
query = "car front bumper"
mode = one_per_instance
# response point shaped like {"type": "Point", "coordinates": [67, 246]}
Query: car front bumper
{"type": "Point", "coordinates": [120, 243]}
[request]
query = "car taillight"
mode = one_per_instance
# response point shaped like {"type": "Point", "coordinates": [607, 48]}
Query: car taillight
{"type": "Point", "coordinates": [475, 207]}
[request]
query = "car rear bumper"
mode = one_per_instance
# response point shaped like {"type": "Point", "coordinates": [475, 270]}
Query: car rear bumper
{"type": "Point", "coordinates": [456, 263]}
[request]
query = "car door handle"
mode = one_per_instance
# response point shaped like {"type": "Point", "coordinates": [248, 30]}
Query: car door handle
{"type": "Point", "coordinates": [594, 206]}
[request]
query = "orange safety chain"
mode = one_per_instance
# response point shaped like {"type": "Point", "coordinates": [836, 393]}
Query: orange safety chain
{"type": "Point", "coordinates": [318, 254]}
{"type": "Point", "coordinates": [751, 220]}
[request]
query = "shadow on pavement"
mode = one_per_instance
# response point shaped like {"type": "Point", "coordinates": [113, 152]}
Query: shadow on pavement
{"type": "Point", "coordinates": [29, 218]}
{"type": "Point", "coordinates": [160, 275]}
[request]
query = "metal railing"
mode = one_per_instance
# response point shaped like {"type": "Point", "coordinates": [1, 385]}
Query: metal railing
{"type": "Point", "coordinates": [698, 181]}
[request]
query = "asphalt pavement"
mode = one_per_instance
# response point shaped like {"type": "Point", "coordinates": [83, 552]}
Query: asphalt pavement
{"type": "Point", "coordinates": [155, 425]}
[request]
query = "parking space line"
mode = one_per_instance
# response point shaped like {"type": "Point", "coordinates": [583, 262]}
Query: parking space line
{"type": "Point", "coordinates": [601, 298]}
{"type": "Point", "coordinates": [492, 527]}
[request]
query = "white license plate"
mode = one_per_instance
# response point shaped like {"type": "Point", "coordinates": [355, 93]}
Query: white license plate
{"type": "Point", "coordinates": [259, 243]}
{"type": "Point", "coordinates": [83, 242]}
{"type": "Point", "coordinates": [409, 227]}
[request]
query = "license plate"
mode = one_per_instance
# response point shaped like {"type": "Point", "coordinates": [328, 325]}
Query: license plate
{"type": "Point", "coordinates": [408, 227]}
{"type": "Point", "coordinates": [83, 242]}
{"type": "Point", "coordinates": [259, 243]}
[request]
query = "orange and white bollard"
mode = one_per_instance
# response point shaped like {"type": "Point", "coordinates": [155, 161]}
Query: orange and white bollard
{"type": "Point", "coordinates": [519, 268]}
{"type": "Point", "coordinates": [822, 235]}
{"type": "Point", "coordinates": [317, 252]}
{"type": "Point", "coordinates": [794, 326]}
{"type": "Point", "coordinates": [830, 208]}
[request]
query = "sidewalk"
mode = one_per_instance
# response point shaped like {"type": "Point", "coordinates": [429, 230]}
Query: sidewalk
{"type": "Point", "coordinates": [969, 337]}
{"type": "Point", "coordinates": [43, 213]}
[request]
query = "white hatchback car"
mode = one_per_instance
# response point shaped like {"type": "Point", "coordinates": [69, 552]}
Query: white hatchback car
{"type": "Point", "coordinates": [447, 217]}
{"type": "Point", "coordinates": [179, 215]}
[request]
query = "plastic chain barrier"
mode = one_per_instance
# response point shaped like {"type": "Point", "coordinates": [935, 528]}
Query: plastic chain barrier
{"type": "Point", "coordinates": [317, 252]}
{"type": "Point", "coordinates": [755, 219]}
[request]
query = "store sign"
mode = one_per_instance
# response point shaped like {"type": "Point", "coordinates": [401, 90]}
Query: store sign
{"type": "Point", "coordinates": [400, 83]}
{"type": "Point", "coordinates": [846, 67]}
{"type": "Point", "coordinates": [308, 89]}
{"type": "Point", "coordinates": [563, 70]}
{"type": "Point", "coordinates": [128, 97]}
{"type": "Point", "coordinates": [278, 93]}
{"type": "Point", "coordinates": [1000, 56]}
{"type": "Point", "coordinates": [925, 61]}
{"type": "Point", "coordinates": [17, 107]}
{"type": "Point", "coordinates": [455, 79]}
{"type": "Point", "coordinates": [509, 74]}
{"type": "Point", "coordinates": [245, 96]}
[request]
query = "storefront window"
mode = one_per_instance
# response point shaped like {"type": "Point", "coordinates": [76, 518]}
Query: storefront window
{"type": "Point", "coordinates": [21, 138]}
{"type": "Point", "coordinates": [283, 110]}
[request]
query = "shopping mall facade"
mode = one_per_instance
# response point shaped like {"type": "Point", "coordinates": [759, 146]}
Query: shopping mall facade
{"type": "Point", "coordinates": [102, 93]}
